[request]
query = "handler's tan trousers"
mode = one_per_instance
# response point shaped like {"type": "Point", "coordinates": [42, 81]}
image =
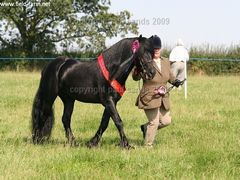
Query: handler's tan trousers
{"type": "Point", "coordinates": [157, 119]}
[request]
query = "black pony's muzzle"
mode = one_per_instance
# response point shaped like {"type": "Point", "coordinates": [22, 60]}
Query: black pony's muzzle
{"type": "Point", "coordinates": [150, 75]}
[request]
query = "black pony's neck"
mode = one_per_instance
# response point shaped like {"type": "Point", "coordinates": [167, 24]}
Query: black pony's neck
{"type": "Point", "coordinates": [116, 55]}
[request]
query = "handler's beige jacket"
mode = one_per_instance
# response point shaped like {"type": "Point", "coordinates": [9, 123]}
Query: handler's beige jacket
{"type": "Point", "coordinates": [148, 99]}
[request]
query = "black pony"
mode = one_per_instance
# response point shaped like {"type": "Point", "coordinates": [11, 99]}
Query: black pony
{"type": "Point", "coordinates": [90, 82]}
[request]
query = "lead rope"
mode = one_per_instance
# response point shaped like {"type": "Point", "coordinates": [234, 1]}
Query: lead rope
{"type": "Point", "coordinates": [139, 85]}
{"type": "Point", "coordinates": [171, 87]}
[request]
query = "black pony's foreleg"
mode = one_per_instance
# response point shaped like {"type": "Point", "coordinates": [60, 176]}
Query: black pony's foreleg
{"type": "Point", "coordinates": [111, 107]}
{"type": "Point", "coordinates": [103, 126]}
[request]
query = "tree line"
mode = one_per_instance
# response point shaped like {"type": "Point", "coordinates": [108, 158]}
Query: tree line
{"type": "Point", "coordinates": [28, 28]}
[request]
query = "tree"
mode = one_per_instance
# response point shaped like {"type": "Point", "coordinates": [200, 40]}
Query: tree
{"type": "Point", "coordinates": [37, 25]}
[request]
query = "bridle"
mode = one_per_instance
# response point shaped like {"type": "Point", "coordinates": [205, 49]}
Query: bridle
{"type": "Point", "coordinates": [143, 64]}
{"type": "Point", "coordinates": [142, 68]}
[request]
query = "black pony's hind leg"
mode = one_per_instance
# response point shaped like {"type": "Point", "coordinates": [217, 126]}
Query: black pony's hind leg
{"type": "Point", "coordinates": [103, 126]}
{"type": "Point", "coordinates": [66, 120]}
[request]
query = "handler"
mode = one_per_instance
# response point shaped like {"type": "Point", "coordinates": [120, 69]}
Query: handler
{"type": "Point", "coordinates": [153, 97]}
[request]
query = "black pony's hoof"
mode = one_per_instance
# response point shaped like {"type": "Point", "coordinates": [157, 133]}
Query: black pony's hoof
{"type": "Point", "coordinates": [125, 145]}
{"type": "Point", "coordinates": [130, 147]}
{"type": "Point", "coordinates": [91, 144]}
{"type": "Point", "coordinates": [72, 143]}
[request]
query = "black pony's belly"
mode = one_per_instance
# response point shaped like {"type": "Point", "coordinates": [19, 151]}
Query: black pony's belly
{"type": "Point", "coordinates": [80, 82]}
{"type": "Point", "coordinates": [88, 95]}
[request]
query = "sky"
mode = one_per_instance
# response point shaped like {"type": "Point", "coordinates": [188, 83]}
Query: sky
{"type": "Point", "coordinates": [213, 22]}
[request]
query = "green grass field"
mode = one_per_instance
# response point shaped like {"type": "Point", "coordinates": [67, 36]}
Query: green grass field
{"type": "Point", "coordinates": [203, 142]}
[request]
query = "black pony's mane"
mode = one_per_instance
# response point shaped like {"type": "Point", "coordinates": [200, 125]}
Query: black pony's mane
{"type": "Point", "coordinates": [115, 52]}
{"type": "Point", "coordinates": [122, 50]}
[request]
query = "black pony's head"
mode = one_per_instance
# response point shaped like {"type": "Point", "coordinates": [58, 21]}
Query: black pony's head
{"type": "Point", "coordinates": [144, 57]}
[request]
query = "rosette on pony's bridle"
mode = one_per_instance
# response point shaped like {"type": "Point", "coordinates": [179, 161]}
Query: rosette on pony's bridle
{"type": "Point", "coordinates": [135, 46]}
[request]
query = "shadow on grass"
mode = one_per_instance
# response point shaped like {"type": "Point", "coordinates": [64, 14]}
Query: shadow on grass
{"type": "Point", "coordinates": [80, 142]}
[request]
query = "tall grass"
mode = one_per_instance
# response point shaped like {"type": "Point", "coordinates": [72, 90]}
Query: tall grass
{"type": "Point", "coordinates": [210, 51]}
{"type": "Point", "coordinates": [221, 51]}
{"type": "Point", "coordinates": [201, 143]}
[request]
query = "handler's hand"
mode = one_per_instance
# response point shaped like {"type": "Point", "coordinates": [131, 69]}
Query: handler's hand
{"type": "Point", "coordinates": [177, 83]}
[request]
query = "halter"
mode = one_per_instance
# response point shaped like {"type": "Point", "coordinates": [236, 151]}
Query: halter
{"type": "Point", "coordinates": [142, 64]}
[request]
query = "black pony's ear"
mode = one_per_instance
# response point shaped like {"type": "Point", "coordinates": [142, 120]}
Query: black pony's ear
{"type": "Point", "coordinates": [150, 37]}
{"type": "Point", "coordinates": [140, 37]}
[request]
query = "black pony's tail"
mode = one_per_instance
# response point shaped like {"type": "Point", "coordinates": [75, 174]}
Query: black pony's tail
{"type": "Point", "coordinates": [42, 109]}
{"type": "Point", "coordinates": [42, 119]}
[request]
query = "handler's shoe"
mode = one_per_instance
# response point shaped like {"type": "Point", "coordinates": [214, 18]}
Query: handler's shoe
{"type": "Point", "coordinates": [143, 129]}
{"type": "Point", "coordinates": [148, 146]}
